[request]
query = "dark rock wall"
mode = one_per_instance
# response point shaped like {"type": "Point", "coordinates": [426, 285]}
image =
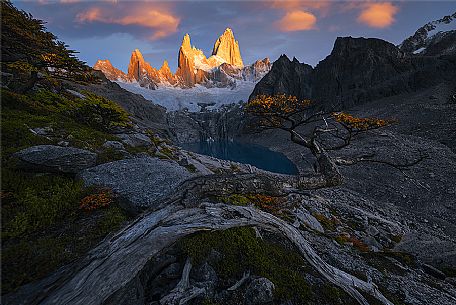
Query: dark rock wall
{"type": "Point", "coordinates": [358, 70]}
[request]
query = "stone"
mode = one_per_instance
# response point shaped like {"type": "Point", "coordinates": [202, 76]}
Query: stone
{"type": "Point", "coordinates": [307, 219]}
{"type": "Point", "coordinates": [205, 273]}
{"type": "Point", "coordinates": [135, 139]}
{"type": "Point", "coordinates": [140, 182]}
{"type": "Point", "coordinates": [116, 145]}
{"type": "Point", "coordinates": [55, 159]}
{"type": "Point", "coordinates": [259, 291]}
{"type": "Point", "coordinates": [434, 271]}
{"type": "Point", "coordinates": [372, 243]}
{"type": "Point", "coordinates": [42, 131]}
{"type": "Point", "coordinates": [75, 93]}
{"type": "Point", "coordinates": [372, 231]}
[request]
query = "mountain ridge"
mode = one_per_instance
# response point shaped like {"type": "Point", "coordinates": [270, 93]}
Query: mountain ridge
{"type": "Point", "coordinates": [222, 69]}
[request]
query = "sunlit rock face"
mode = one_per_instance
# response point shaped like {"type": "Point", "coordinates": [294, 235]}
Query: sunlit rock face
{"type": "Point", "coordinates": [109, 71]}
{"type": "Point", "coordinates": [222, 69]}
{"type": "Point", "coordinates": [227, 48]}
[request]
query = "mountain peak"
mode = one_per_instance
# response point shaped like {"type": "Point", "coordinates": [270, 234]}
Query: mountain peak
{"type": "Point", "coordinates": [227, 48]}
{"type": "Point", "coordinates": [105, 66]}
{"type": "Point", "coordinates": [186, 42]}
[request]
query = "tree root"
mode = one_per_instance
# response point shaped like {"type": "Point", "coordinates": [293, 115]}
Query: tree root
{"type": "Point", "coordinates": [116, 261]}
{"type": "Point", "coordinates": [183, 292]}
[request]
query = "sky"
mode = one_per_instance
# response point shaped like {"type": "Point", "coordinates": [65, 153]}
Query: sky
{"type": "Point", "coordinates": [112, 29]}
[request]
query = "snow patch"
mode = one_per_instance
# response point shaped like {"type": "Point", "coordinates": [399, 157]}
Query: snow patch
{"type": "Point", "coordinates": [174, 98]}
{"type": "Point", "coordinates": [419, 50]}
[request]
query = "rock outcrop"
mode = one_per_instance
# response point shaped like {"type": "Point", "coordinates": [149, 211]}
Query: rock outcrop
{"type": "Point", "coordinates": [109, 71]}
{"type": "Point", "coordinates": [358, 70]}
{"type": "Point", "coordinates": [142, 72]}
{"type": "Point", "coordinates": [54, 159]}
{"type": "Point", "coordinates": [291, 77]}
{"type": "Point", "coordinates": [139, 181]}
{"type": "Point", "coordinates": [227, 48]}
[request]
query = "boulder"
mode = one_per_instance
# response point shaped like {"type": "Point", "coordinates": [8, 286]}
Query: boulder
{"type": "Point", "coordinates": [310, 221]}
{"type": "Point", "coordinates": [135, 139]}
{"type": "Point", "coordinates": [116, 145]}
{"type": "Point", "coordinates": [56, 159]}
{"type": "Point", "coordinates": [259, 291]}
{"type": "Point", "coordinates": [140, 182]}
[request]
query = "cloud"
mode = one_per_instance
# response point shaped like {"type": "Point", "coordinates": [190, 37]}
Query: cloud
{"type": "Point", "coordinates": [161, 22]}
{"type": "Point", "coordinates": [297, 21]}
{"type": "Point", "coordinates": [378, 15]}
{"type": "Point", "coordinates": [299, 4]}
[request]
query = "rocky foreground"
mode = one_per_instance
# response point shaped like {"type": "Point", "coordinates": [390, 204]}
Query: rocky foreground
{"type": "Point", "coordinates": [385, 231]}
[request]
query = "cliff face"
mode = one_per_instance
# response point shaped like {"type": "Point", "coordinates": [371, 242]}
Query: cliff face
{"type": "Point", "coordinates": [291, 77]}
{"type": "Point", "coordinates": [227, 48]}
{"type": "Point", "coordinates": [222, 69]}
{"type": "Point", "coordinates": [358, 70]}
{"type": "Point", "coordinates": [109, 71]}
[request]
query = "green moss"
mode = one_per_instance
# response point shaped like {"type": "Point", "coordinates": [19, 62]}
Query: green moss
{"type": "Point", "coordinates": [242, 251]}
{"type": "Point", "coordinates": [449, 271]}
{"type": "Point", "coordinates": [168, 152]}
{"type": "Point", "coordinates": [235, 199]}
{"type": "Point", "coordinates": [109, 154]}
{"type": "Point", "coordinates": [191, 168]}
{"type": "Point", "coordinates": [39, 200]}
{"type": "Point", "coordinates": [43, 227]}
{"type": "Point", "coordinates": [20, 113]}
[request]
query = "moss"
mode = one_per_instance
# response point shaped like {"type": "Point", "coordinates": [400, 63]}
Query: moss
{"type": "Point", "coordinates": [191, 168]}
{"type": "Point", "coordinates": [43, 227]}
{"type": "Point", "coordinates": [449, 271]}
{"type": "Point", "coordinates": [168, 152]}
{"type": "Point", "coordinates": [138, 149]}
{"type": "Point", "coordinates": [235, 199]}
{"type": "Point", "coordinates": [242, 251]}
{"type": "Point", "coordinates": [358, 244]}
{"type": "Point", "coordinates": [20, 113]}
{"type": "Point", "coordinates": [397, 238]}
{"type": "Point", "coordinates": [329, 224]}
{"type": "Point", "coordinates": [109, 154]}
{"type": "Point", "coordinates": [38, 201]}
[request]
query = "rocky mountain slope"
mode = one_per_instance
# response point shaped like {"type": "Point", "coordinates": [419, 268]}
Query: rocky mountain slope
{"type": "Point", "coordinates": [358, 70]}
{"type": "Point", "coordinates": [438, 32]}
{"type": "Point", "coordinates": [222, 69]}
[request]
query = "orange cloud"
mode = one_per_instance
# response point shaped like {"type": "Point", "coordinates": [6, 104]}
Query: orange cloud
{"type": "Point", "coordinates": [297, 21]}
{"type": "Point", "coordinates": [161, 22]}
{"type": "Point", "coordinates": [378, 15]}
{"type": "Point", "coordinates": [300, 4]}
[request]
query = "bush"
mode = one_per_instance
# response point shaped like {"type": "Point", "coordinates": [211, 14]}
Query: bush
{"type": "Point", "coordinates": [99, 112]}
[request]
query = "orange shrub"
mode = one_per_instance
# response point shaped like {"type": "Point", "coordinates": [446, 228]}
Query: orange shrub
{"type": "Point", "coordinates": [353, 122]}
{"type": "Point", "coordinates": [91, 202]}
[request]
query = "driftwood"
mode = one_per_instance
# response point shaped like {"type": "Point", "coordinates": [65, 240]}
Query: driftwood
{"type": "Point", "coordinates": [117, 260]}
{"type": "Point", "coordinates": [183, 292]}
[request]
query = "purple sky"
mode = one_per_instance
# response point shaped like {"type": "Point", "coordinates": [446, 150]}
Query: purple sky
{"type": "Point", "coordinates": [110, 29]}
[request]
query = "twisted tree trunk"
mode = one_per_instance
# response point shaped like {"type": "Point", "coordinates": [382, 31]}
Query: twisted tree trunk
{"type": "Point", "coordinates": [117, 260]}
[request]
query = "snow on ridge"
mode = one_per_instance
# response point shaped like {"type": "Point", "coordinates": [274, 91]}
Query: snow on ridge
{"type": "Point", "coordinates": [174, 98]}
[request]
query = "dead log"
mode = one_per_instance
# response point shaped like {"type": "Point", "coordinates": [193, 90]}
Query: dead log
{"type": "Point", "coordinates": [117, 260]}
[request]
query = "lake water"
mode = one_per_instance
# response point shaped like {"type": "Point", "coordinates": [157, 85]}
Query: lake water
{"type": "Point", "coordinates": [255, 155]}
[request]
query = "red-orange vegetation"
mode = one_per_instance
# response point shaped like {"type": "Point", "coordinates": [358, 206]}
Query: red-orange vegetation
{"type": "Point", "coordinates": [92, 202]}
{"type": "Point", "coordinates": [276, 104]}
{"type": "Point", "coordinates": [354, 123]}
